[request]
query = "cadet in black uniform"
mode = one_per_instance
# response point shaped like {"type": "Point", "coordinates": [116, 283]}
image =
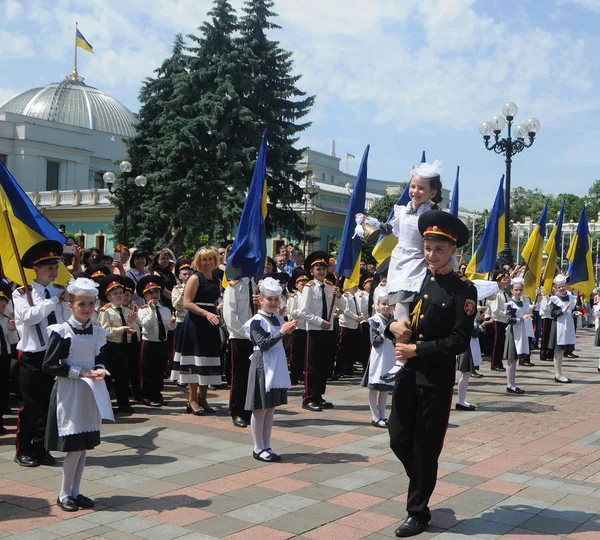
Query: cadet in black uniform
{"type": "Point", "coordinates": [442, 317]}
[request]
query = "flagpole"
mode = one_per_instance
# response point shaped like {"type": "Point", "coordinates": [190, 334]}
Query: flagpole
{"type": "Point", "coordinates": [13, 241]}
{"type": "Point", "coordinates": [74, 75]}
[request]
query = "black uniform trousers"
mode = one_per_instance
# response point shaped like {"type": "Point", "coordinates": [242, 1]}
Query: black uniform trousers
{"type": "Point", "coordinates": [116, 360]}
{"type": "Point", "coordinates": [133, 354]}
{"type": "Point", "coordinates": [240, 351]}
{"type": "Point", "coordinates": [4, 385]}
{"type": "Point", "coordinates": [498, 349]}
{"type": "Point", "coordinates": [349, 345]}
{"type": "Point", "coordinates": [154, 357]}
{"type": "Point", "coordinates": [417, 424]}
{"type": "Point", "coordinates": [297, 354]}
{"type": "Point", "coordinates": [36, 387]}
{"type": "Point", "coordinates": [320, 353]}
{"type": "Point", "coordinates": [545, 352]}
{"type": "Point", "coordinates": [365, 345]}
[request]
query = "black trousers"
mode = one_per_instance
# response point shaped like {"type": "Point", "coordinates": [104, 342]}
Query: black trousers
{"type": "Point", "coordinates": [4, 385]}
{"type": "Point", "coordinates": [240, 351]}
{"type": "Point", "coordinates": [417, 424]}
{"type": "Point", "coordinates": [320, 353]}
{"type": "Point", "coordinates": [36, 387]}
{"type": "Point", "coordinates": [365, 345]}
{"type": "Point", "coordinates": [155, 355]}
{"type": "Point", "coordinates": [116, 359]}
{"type": "Point", "coordinates": [133, 354]}
{"type": "Point", "coordinates": [545, 352]}
{"type": "Point", "coordinates": [348, 347]}
{"type": "Point", "coordinates": [297, 354]}
{"type": "Point", "coordinates": [498, 349]}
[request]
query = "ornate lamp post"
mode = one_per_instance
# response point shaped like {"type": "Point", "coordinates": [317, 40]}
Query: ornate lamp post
{"type": "Point", "coordinates": [110, 179]}
{"type": "Point", "coordinates": [508, 146]}
{"type": "Point", "coordinates": [309, 193]}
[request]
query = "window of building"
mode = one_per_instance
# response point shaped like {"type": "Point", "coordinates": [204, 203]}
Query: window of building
{"type": "Point", "coordinates": [323, 177]}
{"type": "Point", "coordinates": [4, 159]}
{"type": "Point", "coordinates": [332, 179]}
{"type": "Point", "coordinates": [323, 197]}
{"type": "Point", "coordinates": [332, 198]}
{"type": "Point", "coordinates": [100, 240]}
{"type": "Point", "coordinates": [95, 180]}
{"type": "Point", "coordinates": [52, 175]}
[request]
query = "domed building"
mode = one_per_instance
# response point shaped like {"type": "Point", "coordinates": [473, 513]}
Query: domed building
{"type": "Point", "coordinates": [57, 141]}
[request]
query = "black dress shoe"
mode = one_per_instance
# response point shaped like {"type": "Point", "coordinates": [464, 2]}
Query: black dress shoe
{"type": "Point", "coordinates": [26, 461]}
{"type": "Point", "coordinates": [84, 502]}
{"type": "Point", "coordinates": [46, 458]}
{"type": "Point", "coordinates": [238, 421]}
{"type": "Point", "coordinates": [556, 379]}
{"type": "Point", "coordinates": [153, 403]}
{"type": "Point", "coordinates": [499, 368]}
{"type": "Point", "coordinates": [476, 374]}
{"type": "Point", "coordinates": [526, 363]}
{"type": "Point", "coordinates": [126, 409]}
{"type": "Point", "coordinates": [190, 410]}
{"type": "Point", "coordinates": [394, 376]}
{"type": "Point", "coordinates": [460, 407]}
{"type": "Point", "coordinates": [517, 390]}
{"type": "Point", "coordinates": [68, 504]}
{"type": "Point", "coordinates": [326, 405]}
{"type": "Point", "coordinates": [276, 457]}
{"type": "Point", "coordinates": [411, 527]}
{"type": "Point", "coordinates": [311, 406]}
{"type": "Point", "coordinates": [265, 456]}
{"type": "Point", "coordinates": [571, 355]}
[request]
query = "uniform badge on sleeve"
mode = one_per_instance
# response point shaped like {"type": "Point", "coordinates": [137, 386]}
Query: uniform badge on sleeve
{"type": "Point", "coordinates": [469, 306]}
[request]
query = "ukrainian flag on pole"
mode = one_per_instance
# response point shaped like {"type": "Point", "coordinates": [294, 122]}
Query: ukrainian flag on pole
{"type": "Point", "coordinates": [533, 253]}
{"type": "Point", "coordinates": [553, 249]}
{"type": "Point", "coordinates": [29, 226]}
{"type": "Point", "coordinates": [348, 262]}
{"type": "Point", "coordinates": [581, 270]}
{"type": "Point", "coordinates": [484, 259]}
{"type": "Point", "coordinates": [454, 201]}
{"type": "Point", "coordinates": [83, 43]}
{"type": "Point", "coordinates": [249, 250]}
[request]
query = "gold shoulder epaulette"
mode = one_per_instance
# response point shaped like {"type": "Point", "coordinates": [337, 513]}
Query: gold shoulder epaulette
{"type": "Point", "coordinates": [466, 280]}
{"type": "Point", "coordinates": [104, 307]}
{"type": "Point", "coordinates": [233, 282]}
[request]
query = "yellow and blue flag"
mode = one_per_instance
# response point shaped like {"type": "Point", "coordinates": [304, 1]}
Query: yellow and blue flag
{"type": "Point", "coordinates": [249, 250]}
{"type": "Point", "coordinates": [492, 242]}
{"type": "Point", "coordinates": [350, 156]}
{"type": "Point", "coordinates": [552, 249]}
{"type": "Point", "coordinates": [348, 261]}
{"type": "Point", "coordinates": [454, 200]}
{"type": "Point", "coordinates": [533, 254]}
{"type": "Point", "coordinates": [29, 226]}
{"type": "Point", "coordinates": [581, 270]}
{"type": "Point", "coordinates": [83, 43]}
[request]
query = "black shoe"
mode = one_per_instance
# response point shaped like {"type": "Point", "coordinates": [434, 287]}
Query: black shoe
{"type": "Point", "coordinates": [153, 403]}
{"type": "Point", "coordinates": [326, 404]}
{"type": "Point", "coordinates": [68, 505]}
{"type": "Point", "coordinates": [476, 374]}
{"type": "Point", "coordinates": [571, 355]}
{"type": "Point", "coordinates": [517, 390]}
{"type": "Point", "coordinates": [276, 457]}
{"type": "Point", "coordinates": [26, 461]}
{"type": "Point", "coordinates": [238, 421]}
{"type": "Point", "coordinates": [263, 455]}
{"type": "Point", "coordinates": [84, 502]}
{"type": "Point", "coordinates": [411, 527]}
{"type": "Point", "coordinates": [391, 377]}
{"type": "Point", "coordinates": [499, 368]}
{"type": "Point", "coordinates": [126, 409]}
{"type": "Point", "coordinates": [46, 458]}
{"type": "Point", "coordinates": [556, 379]}
{"type": "Point", "coordinates": [460, 407]}
{"type": "Point", "coordinates": [190, 410]}
{"type": "Point", "coordinates": [526, 363]}
{"type": "Point", "coordinates": [381, 423]}
{"type": "Point", "coordinates": [295, 382]}
{"type": "Point", "coordinates": [206, 407]}
{"type": "Point", "coordinates": [311, 406]}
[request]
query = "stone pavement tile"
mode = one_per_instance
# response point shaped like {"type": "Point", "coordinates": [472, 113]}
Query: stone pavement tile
{"type": "Point", "coordinates": [358, 479]}
{"type": "Point", "coordinates": [260, 532]}
{"type": "Point", "coordinates": [290, 502]}
{"type": "Point", "coordinates": [96, 532]}
{"type": "Point", "coordinates": [253, 494]}
{"type": "Point", "coordinates": [356, 500]}
{"type": "Point", "coordinates": [221, 485]}
{"type": "Point", "coordinates": [134, 524]}
{"type": "Point", "coordinates": [462, 479]}
{"type": "Point", "coordinates": [586, 532]}
{"type": "Point", "coordinates": [368, 521]}
{"type": "Point", "coordinates": [319, 492]}
{"type": "Point", "coordinates": [451, 466]}
{"type": "Point", "coordinates": [545, 524]}
{"type": "Point", "coordinates": [516, 502]}
{"type": "Point", "coordinates": [560, 511]}
{"type": "Point", "coordinates": [504, 515]}
{"type": "Point", "coordinates": [106, 517]}
{"type": "Point", "coordinates": [577, 489]}
{"type": "Point", "coordinates": [33, 535]}
{"type": "Point", "coordinates": [392, 466]}
{"type": "Point", "coordinates": [205, 474]}
{"type": "Point", "coordinates": [480, 526]}
{"type": "Point", "coordinates": [162, 532]}
{"type": "Point", "coordinates": [197, 536]}
{"type": "Point", "coordinates": [442, 520]}
{"type": "Point", "coordinates": [257, 513]}
{"type": "Point", "coordinates": [324, 472]}
{"type": "Point", "coordinates": [545, 483]}
{"type": "Point", "coordinates": [154, 487]}
{"type": "Point", "coordinates": [500, 486]}
{"type": "Point", "coordinates": [542, 494]}
{"type": "Point", "coordinates": [117, 497]}
{"type": "Point", "coordinates": [335, 531]}
{"type": "Point", "coordinates": [219, 526]}
{"type": "Point", "coordinates": [449, 489]}
{"type": "Point", "coordinates": [387, 488]}
{"type": "Point", "coordinates": [183, 516]}
{"type": "Point", "coordinates": [462, 506]}
{"type": "Point", "coordinates": [388, 508]}
{"type": "Point", "coordinates": [70, 526]}
{"type": "Point", "coordinates": [515, 478]}
{"type": "Point", "coordinates": [21, 524]}
{"type": "Point", "coordinates": [589, 504]}
{"type": "Point", "coordinates": [309, 518]}
{"type": "Point", "coordinates": [14, 490]}
{"type": "Point", "coordinates": [285, 484]}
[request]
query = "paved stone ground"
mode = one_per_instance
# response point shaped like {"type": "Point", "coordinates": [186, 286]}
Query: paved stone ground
{"type": "Point", "coordinates": [521, 467]}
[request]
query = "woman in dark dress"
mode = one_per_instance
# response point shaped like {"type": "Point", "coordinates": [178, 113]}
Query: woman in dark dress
{"type": "Point", "coordinates": [197, 359]}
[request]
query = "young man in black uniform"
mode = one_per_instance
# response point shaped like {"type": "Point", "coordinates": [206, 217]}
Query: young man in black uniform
{"type": "Point", "coordinates": [440, 328]}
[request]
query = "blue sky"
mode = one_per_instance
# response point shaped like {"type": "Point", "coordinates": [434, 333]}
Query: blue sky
{"type": "Point", "coordinates": [401, 75]}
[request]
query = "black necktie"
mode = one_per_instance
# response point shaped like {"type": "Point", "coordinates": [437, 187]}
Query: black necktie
{"type": "Point", "coordinates": [250, 294]}
{"type": "Point", "coordinates": [3, 345]}
{"type": "Point", "coordinates": [124, 336]}
{"type": "Point", "coordinates": [324, 315]}
{"type": "Point", "coordinates": [52, 316]}
{"type": "Point", "coordinates": [356, 304]}
{"type": "Point", "coordinates": [162, 335]}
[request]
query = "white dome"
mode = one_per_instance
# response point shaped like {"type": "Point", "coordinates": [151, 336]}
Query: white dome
{"type": "Point", "coordinates": [75, 104]}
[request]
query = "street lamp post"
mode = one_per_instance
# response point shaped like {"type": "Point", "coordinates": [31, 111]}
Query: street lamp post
{"type": "Point", "coordinates": [110, 179]}
{"type": "Point", "coordinates": [524, 137]}
{"type": "Point", "coordinates": [309, 185]}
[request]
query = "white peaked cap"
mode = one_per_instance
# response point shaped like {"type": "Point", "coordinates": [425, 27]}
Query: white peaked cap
{"type": "Point", "coordinates": [517, 281]}
{"type": "Point", "coordinates": [83, 286]}
{"type": "Point", "coordinates": [270, 285]}
{"type": "Point", "coordinates": [428, 170]}
{"type": "Point", "coordinates": [560, 279]}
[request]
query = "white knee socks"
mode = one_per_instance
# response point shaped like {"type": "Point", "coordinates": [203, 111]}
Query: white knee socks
{"type": "Point", "coordinates": [401, 313]}
{"type": "Point", "coordinates": [382, 401]}
{"type": "Point", "coordinates": [78, 474]}
{"type": "Point", "coordinates": [257, 423]}
{"type": "Point", "coordinates": [377, 403]}
{"type": "Point", "coordinates": [268, 427]}
{"type": "Point", "coordinates": [558, 360]}
{"type": "Point", "coordinates": [463, 384]}
{"type": "Point", "coordinates": [69, 472]}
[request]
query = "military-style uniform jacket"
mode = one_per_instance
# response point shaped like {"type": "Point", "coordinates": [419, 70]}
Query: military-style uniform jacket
{"type": "Point", "coordinates": [109, 318]}
{"type": "Point", "coordinates": [442, 321]}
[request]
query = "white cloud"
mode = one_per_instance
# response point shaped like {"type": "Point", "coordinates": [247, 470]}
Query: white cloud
{"type": "Point", "coordinates": [592, 5]}
{"type": "Point", "coordinates": [16, 45]}
{"type": "Point", "coordinates": [12, 11]}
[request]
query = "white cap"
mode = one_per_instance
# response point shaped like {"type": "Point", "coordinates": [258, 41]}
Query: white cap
{"type": "Point", "coordinates": [428, 170]}
{"type": "Point", "coordinates": [270, 285]}
{"type": "Point", "coordinates": [517, 281]}
{"type": "Point", "coordinates": [84, 286]}
{"type": "Point", "coordinates": [560, 279]}
{"type": "Point", "coordinates": [380, 294]}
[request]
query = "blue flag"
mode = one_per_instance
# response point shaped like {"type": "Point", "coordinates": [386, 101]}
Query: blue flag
{"type": "Point", "coordinates": [454, 201]}
{"type": "Point", "coordinates": [581, 270]}
{"type": "Point", "coordinates": [348, 262]}
{"type": "Point", "coordinates": [249, 250]}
